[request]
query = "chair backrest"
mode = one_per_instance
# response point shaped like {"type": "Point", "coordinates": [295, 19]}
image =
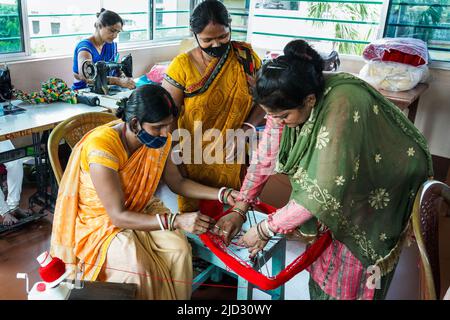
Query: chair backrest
{"type": "Point", "coordinates": [426, 231]}
{"type": "Point", "coordinates": [72, 130]}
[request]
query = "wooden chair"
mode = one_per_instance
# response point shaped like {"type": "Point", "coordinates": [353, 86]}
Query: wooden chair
{"type": "Point", "coordinates": [71, 131]}
{"type": "Point", "coordinates": [434, 202]}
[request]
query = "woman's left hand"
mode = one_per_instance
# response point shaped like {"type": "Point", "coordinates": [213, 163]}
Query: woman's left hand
{"type": "Point", "coordinates": [252, 241]}
{"type": "Point", "coordinates": [127, 83]}
{"type": "Point", "coordinates": [231, 198]}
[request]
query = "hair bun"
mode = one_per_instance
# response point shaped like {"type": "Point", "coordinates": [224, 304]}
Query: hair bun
{"type": "Point", "coordinates": [120, 112]}
{"type": "Point", "coordinates": [99, 13]}
{"type": "Point", "coordinates": [300, 50]}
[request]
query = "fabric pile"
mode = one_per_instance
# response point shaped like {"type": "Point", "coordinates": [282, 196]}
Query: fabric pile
{"type": "Point", "coordinates": [52, 90]}
{"type": "Point", "coordinates": [395, 64]}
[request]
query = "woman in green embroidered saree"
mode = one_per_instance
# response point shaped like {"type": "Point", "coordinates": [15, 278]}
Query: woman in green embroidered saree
{"type": "Point", "coordinates": [355, 163]}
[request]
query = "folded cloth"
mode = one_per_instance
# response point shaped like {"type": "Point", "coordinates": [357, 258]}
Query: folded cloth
{"type": "Point", "coordinates": [54, 89]}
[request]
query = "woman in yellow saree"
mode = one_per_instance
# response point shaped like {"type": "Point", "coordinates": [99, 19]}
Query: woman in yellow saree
{"type": "Point", "coordinates": [106, 215]}
{"type": "Point", "coordinates": [211, 83]}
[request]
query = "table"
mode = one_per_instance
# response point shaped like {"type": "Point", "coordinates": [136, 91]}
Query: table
{"type": "Point", "coordinates": [406, 99]}
{"type": "Point", "coordinates": [96, 290]}
{"type": "Point", "coordinates": [39, 118]}
{"type": "Point", "coordinates": [34, 121]}
{"type": "Point", "coordinates": [108, 101]}
{"type": "Point", "coordinates": [275, 251]}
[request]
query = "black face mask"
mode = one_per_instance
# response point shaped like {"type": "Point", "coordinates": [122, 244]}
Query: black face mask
{"type": "Point", "coordinates": [215, 52]}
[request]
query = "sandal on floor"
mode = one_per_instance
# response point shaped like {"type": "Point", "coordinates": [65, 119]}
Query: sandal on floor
{"type": "Point", "coordinates": [21, 213]}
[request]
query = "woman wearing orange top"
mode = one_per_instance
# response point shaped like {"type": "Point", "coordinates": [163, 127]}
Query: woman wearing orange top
{"type": "Point", "coordinates": [106, 214]}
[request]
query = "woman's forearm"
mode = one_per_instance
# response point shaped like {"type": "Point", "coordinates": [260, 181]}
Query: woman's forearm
{"type": "Point", "coordinates": [135, 221]}
{"type": "Point", "coordinates": [191, 189]}
{"type": "Point", "coordinates": [289, 217]}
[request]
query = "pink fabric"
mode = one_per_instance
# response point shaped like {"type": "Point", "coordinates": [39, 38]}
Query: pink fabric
{"type": "Point", "coordinates": [340, 275]}
{"type": "Point", "coordinates": [336, 271]}
{"type": "Point", "coordinates": [262, 163]}
{"type": "Point", "coordinates": [288, 218]}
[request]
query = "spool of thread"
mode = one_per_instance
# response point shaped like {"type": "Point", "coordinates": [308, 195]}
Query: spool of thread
{"type": "Point", "coordinates": [90, 101]}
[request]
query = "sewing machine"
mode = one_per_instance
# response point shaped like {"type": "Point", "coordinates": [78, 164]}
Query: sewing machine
{"type": "Point", "coordinates": [99, 72]}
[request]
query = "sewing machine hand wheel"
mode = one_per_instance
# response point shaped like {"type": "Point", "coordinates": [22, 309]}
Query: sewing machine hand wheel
{"type": "Point", "coordinates": [88, 70]}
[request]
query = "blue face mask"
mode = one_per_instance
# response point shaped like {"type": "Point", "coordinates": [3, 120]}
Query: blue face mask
{"type": "Point", "coordinates": [151, 141]}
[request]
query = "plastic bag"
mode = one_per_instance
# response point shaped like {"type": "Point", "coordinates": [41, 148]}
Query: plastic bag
{"type": "Point", "coordinates": [393, 76]}
{"type": "Point", "coordinates": [403, 50]}
{"type": "Point", "coordinates": [156, 73]}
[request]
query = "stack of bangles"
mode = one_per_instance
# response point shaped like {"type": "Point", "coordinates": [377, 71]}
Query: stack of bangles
{"type": "Point", "coordinates": [240, 212]}
{"type": "Point", "coordinates": [167, 221]}
{"type": "Point", "coordinates": [264, 235]}
{"type": "Point", "coordinates": [223, 194]}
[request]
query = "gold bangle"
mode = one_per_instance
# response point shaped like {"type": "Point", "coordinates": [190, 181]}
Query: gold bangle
{"type": "Point", "coordinates": [241, 213]}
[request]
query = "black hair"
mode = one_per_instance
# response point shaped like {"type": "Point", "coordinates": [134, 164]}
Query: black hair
{"type": "Point", "coordinates": [106, 18]}
{"type": "Point", "coordinates": [209, 11]}
{"type": "Point", "coordinates": [148, 103]}
{"type": "Point", "coordinates": [285, 82]}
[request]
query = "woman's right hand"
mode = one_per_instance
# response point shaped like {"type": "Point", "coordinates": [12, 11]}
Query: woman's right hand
{"type": "Point", "coordinates": [193, 222]}
{"type": "Point", "coordinates": [228, 226]}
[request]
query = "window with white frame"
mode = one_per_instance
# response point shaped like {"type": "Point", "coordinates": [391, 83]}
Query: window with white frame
{"type": "Point", "coordinates": [54, 27]}
{"type": "Point", "coordinates": [172, 19]}
{"type": "Point", "coordinates": [238, 10]}
{"type": "Point", "coordinates": [11, 35]}
{"type": "Point", "coordinates": [342, 25]}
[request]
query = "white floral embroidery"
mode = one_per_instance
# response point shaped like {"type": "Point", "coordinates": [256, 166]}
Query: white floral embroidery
{"type": "Point", "coordinates": [326, 91]}
{"type": "Point", "coordinates": [378, 158]}
{"type": "Point", "coordinates": [355, 169]}
{"type": "Point", "coordinates": [322, 138]}
{"type": "Point", "coordinates": [411, 152]}
{"type": "Point", "coordinates": [375, 109]}
{"type": "Point", "coordinates": [379, 198]}
{"type": "Point", "coordinates": [340, 180]}
{"type": "Point", "coordinates": [383, 236]}
{"type": "Point", "coordinates": [356, 116]}
{"type": "Point", "coordinates": [307, 128]}
{"type": "Point", "coordinates": [334, 208]}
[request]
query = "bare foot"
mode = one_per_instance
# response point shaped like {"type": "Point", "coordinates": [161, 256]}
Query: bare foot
{"type": "Point", "coordinates": [9, 219]}
{"type": "Point", "coordinates": [21, 213]}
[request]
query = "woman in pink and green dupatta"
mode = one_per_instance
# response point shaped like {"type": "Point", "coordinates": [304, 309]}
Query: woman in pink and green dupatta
{"type": "Point", "coordinates": [355, 163]}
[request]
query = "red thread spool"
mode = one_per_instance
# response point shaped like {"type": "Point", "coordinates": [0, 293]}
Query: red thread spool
{"type": "Point", "coordinates": [52, 271]}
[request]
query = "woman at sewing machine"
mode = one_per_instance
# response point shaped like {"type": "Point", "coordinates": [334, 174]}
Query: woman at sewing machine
{"type": "Point", "coordinates": [101, 47]}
